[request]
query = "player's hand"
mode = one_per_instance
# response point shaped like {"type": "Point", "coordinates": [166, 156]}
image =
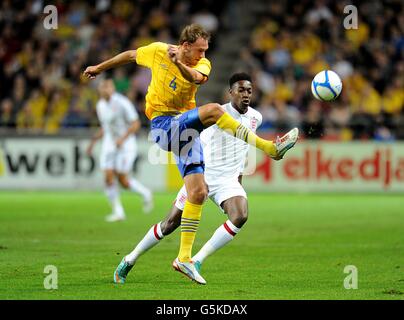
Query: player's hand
{"type": "Point", "coordinates": [91, 72]}
{"type": "Point", "coordinates": [173, 53]}
{"type": "Point", "coordinates": [119, 142]}
{"type": "Point", "coordinates": [89, 150]}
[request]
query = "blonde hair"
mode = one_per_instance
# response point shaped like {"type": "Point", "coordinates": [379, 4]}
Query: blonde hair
{"type": "Point", "coordinates": [192, 32]}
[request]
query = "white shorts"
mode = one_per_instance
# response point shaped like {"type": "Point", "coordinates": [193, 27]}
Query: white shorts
{"type": "Point", "coordinates": [120, 160]}
{"type": "Point", "coordinates": [218, 193]}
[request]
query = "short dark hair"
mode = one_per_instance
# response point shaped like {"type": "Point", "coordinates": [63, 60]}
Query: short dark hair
{"type": "Point", "coordinates": [239, 77]}
{"type": "Point", "coordinates": [192, 32]}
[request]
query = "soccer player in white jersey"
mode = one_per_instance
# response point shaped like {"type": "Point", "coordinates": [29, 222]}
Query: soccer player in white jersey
{"type": "Point", "coordinates": [119, 123]}
{"type": "Point", "coordinates": [225, 157]}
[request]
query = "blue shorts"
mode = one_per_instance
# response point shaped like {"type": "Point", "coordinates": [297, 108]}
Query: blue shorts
{"type": "Point", "coordinates": [180, 135]}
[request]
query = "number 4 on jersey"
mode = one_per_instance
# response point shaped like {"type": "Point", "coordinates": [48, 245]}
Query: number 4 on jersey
{"type": "Point", "coordinates": [173, 84]}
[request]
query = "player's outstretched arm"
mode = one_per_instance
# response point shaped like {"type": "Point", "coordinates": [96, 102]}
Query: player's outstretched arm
{"type": "Point", "coordinates": [120, 59]}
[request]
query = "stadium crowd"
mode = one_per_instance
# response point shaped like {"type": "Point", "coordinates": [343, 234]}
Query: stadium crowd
{"type": "Point", "coordinates": [294, 40]}
{"type": "Point", "coordinates": [42, 89]}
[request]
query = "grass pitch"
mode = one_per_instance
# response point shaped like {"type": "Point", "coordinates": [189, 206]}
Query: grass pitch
{"type": "Point", "coordinates": [292, 247]}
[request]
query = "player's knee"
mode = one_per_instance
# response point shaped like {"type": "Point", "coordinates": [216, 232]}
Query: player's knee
{"type": "Point", "coordinates": [123, 181]}
{"type": "Point", "coordinates": [240, 219]}
{"type": "Point", "coordinates": [109, 181]}
{"type": "Point", "coordinates": [198, 195]}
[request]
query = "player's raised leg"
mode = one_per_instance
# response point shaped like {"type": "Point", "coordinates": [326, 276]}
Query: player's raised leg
{"type": "Point", "coordinates": [212, 113]}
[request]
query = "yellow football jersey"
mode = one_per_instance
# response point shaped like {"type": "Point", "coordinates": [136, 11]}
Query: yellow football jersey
{"type": "Point", "coordinates": [169, 92]}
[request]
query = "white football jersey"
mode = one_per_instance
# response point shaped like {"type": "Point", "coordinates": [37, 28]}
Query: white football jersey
{"type": "Point", "coordinates": [224, 154]}
{"type": "Point", "coordinates": [116, 116]}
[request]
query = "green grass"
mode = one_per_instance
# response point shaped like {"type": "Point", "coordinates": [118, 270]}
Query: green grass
{"type": "Point", "coordinates": [292, 247]}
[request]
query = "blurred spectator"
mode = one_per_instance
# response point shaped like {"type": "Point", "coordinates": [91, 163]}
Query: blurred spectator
{"type": "Point", "coordinates": [75, 117]}
{"type": "Point", "coordinates": [179, 16]}
{"type": "Point", "coordinates": [7, 118]}
{"type": "Point", "coordinates": [19, 94]}
{"type": "Point", "coordinates": [318, 13]}
{"type": "Point", "coordinates": [313, 122]}
{"type": "Point", "coordinates": [362, 124]}
{"type": "Point", "coordinates": [56, 111]}
{"type": "Point", "coordinates": [277, 116]}
{"type": "Point", "coordinates": [399, 125]}
{"type": "Point", "coordinates": [121, 80]}
{"type": "Point", "coordinates": [206, 19]}
{"type": "Point", "coordinates": [337, 122]}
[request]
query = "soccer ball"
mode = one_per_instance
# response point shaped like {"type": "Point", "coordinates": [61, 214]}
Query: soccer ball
{"type": "Point", "coordinates": [326, 85]}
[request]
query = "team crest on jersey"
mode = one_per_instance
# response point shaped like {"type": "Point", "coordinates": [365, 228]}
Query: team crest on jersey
{"type": "Point", "coordinates": [254, 123]}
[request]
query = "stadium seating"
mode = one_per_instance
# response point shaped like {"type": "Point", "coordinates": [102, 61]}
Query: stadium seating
{"type": "Point", "coordinates": [43, 91]}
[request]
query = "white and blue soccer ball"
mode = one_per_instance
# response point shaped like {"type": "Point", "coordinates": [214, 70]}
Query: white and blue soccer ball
{"type": "Point", "coordinates": [326, 85]}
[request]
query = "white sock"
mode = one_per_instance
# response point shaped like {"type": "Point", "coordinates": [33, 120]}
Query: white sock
{"type": "Point", "coordinates": [112, 193]}
{"type": "Point", "coordinates": [223, 235]}
{"type": "Point", "coordinates": [136, 186]}
{"type": "Point", "coordinates": [152, 237]}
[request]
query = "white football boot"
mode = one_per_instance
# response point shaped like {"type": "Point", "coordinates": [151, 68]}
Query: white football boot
{"type": "Point", "coordinates": [188, 269]}
{"type": "Point", "coordinates": [113, 217]}
{"type": "Point", "coordinates": [285, 143]}
{"type": "Point", "coordinates": [148, 205]}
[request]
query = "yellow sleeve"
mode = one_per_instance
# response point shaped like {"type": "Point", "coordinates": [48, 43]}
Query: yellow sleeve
{"type": "Point", "coordinates": [203, 66]}
{"type": "Point", "coordinates": [145, 55]}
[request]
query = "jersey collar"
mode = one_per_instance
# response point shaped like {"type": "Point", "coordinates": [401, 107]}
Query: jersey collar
{"type": "Point", "coordinates": [236, 111]}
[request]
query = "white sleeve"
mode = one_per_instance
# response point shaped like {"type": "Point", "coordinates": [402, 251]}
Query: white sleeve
{"type": "Point", "coordinates": [259, 116]}
{"type": "Point", "coordinates": [129, 109]}
{"type": "Point", "coordinates": [98, 110]}
{"type": "Point", "coordinates": [242, 167]}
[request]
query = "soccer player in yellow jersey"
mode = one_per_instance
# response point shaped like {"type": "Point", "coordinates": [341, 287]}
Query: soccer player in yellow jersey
{"type": "Point", "coordinates": [177, 71]}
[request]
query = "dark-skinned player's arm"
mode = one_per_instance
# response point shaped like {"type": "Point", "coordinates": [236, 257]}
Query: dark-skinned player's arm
{"type": "Point", "coordinates": [120, 59]}
{"type": "Point", "coordinates": [188, 73]}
